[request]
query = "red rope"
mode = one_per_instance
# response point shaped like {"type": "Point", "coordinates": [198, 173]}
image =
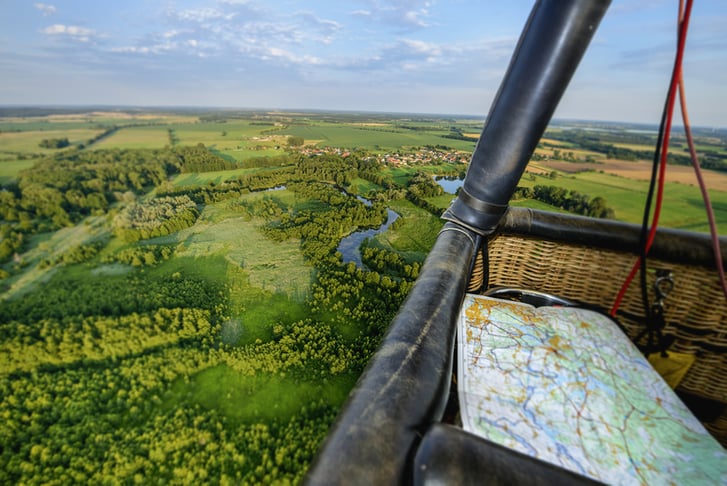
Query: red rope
{"type": "Point", "coordinates": [664, 152]}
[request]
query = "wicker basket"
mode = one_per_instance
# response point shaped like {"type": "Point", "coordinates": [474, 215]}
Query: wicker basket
{"type": "Point", "coordinates": [527, 253]}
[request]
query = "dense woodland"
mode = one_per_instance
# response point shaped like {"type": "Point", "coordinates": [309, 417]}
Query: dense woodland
{"type": "Point", "coordinates": [90, 371]}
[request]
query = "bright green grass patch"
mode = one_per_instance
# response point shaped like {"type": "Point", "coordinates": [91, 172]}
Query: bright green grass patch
{"type": "Point", "coordinates": [399, 175]}
{"type": "Point", "coordinates": [136, 137]}
{"type": "Point", "coordinates": [244, 153]}
{"type": "Point", "coordinates": [276, 267]}
{"type": "Point", "coordinates": [682, 203]}
{"type": "Point", "coordinates": [262, 310]}
{"type": "Point", "coordinates": [255, 309]}
{"type": "Point", "coordinates": [287, 199]}
{"type": "Point", "coordinates": [203, 178]}
{"type": "Point", "coordinates": [362, 186]}
{"type": "Point", "coordinates": [416, 233]}
{"type": "Point", "coordinates": [442, 201]}
{"type": "Point", "coordinates": [208, 267]}
{"type": "Point", "coordinates": [625, 196]}
{"type": "Point", "coordinates": [252, 399]}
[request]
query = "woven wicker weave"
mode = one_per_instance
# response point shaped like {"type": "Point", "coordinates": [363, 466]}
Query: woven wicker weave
{"type": "Point", "coordinates": [695, 310]}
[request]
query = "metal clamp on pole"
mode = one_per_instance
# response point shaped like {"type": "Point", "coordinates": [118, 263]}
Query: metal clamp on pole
{"type": "Point", "coordinates": [550, 48]}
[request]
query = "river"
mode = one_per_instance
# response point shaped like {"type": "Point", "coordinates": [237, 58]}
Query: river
{"type": "Point", "coordinates": [349, 246]}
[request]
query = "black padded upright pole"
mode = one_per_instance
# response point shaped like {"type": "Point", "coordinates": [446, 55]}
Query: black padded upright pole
{"type": "Point", "coordinates": [550, 48]}
{"type": "Point", "coordinates": [404, 388]}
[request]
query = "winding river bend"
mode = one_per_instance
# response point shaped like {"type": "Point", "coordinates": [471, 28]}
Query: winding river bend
{"type": "Point", "coordinates": [349, 246]}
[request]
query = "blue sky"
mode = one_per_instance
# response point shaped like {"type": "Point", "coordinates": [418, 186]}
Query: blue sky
{"type": "Point", "coordinates": [428, 56]}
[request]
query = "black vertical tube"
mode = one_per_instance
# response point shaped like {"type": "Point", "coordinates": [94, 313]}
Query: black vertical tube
{"type": "Point", "coordinates": [550, 48]}
{"type": "Point", "coordinates": [403, 389]}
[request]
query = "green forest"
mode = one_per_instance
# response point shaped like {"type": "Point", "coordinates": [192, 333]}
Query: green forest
{"type": "Point", "coordinates": [137, 355]}
{"type": "Point", "coordinates": [174, 304]}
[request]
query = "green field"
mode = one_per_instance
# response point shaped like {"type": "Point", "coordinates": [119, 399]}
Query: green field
{"type": "Point", "coordinates": [362, 186]}
{"type": "Point", "coordinates": [27, 141]}
{"type": "Point", "coordinates": [683, 207]}
{"type": "Point", "coordinates": [246, 399]}
{"type": "Point", "coordinates": [276, 268]}
{"type": "Point", "coordinates": [235, 140]}
{"type": "Point", "coordinates": [373, 138]}
{"type": "Point", "coordinates": [201, 178]}
{"type": "Point", "coordinates": [415, 235]}
{"type": "Point", "coordinates": [135, 137]}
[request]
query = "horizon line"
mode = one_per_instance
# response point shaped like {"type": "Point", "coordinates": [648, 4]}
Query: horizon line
{"type": "Point", "coordinates": [84, 108]}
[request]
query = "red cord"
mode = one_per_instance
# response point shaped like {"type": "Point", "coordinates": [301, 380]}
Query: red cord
{"type": "Point", "coordinates": [664, 152]}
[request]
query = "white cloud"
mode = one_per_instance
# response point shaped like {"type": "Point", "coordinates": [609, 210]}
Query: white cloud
{"type": "Point", "coordinates": [410, 14]}
{"type": "Point", "coordinates": [422, 47]}
{"type": "Point", "coordinates": [45, 8]}
{"type": "Point", "coordinates": [78, 33]}
{"type": "Point", "coordinates": [203, 15]}
{"type": "Point", "coordinates": [318, 29]}
{"type": "Point", "coordinates": [414, 17]}
{"type": "Point", "coordinates": [285, 57]}
{"type": "Point", "coordinates": [176, 33]}
{"type": "Point", "coordinates": [132, 49]}
{"type": "Point", "coordinates": [160, 47]}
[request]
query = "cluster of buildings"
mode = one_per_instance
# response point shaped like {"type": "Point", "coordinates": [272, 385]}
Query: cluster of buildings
{"type": "Point", "coordinates": [425, 156]}
{"type": "Point", "coordinates": [312, 150]}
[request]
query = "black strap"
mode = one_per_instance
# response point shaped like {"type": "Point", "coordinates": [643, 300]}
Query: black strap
{"type": "Point", "coordinates": [480, 205]}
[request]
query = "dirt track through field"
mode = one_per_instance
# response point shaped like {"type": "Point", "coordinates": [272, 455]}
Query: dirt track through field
{"type": "Point", "coordinates": [642, 171]}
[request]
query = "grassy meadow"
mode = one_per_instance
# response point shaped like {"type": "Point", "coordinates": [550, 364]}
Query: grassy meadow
{"type": "Point", "coordinates": [136, 138]}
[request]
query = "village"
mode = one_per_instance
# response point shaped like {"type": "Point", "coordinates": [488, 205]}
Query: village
{"type": "Point", "coordinates": [418, 156]}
